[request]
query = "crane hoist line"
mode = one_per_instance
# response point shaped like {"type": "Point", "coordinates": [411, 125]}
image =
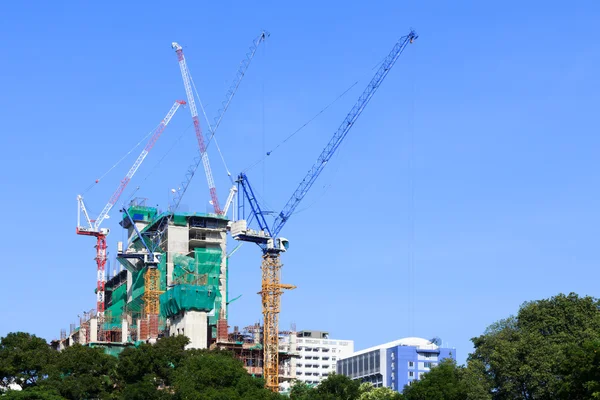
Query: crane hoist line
{"type": "Point", "coordinates": [267, 235]}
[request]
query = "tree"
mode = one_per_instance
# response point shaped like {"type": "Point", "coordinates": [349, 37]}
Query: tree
{"type": "Point", "coordinates": [537, 354]}
{"type": "Point", "coordinates": [338, 387]}
{"type": "Point", "coordinates": [443, 382]}
{"type": "Point", "coordinates": [368, 392]}
{"type": "Point", "coordinates": [24, 359]}
{"type": "Point", "coordinates": [216, 375]}
{"type": "Point", "coordinates": [82, 372]}
{"type": "Point", "coordinates": [32, 393]}
{"type": "Point", "coordinates": [302, 391]}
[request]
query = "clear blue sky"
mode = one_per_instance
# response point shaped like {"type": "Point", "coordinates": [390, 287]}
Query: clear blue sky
{"type": "Point", "coordinates": [489, 120]}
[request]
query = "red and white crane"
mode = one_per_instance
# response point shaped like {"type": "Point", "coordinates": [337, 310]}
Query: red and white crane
{"type": "Point", "coordinates": [93, 226]}
{"type": "Point", "coordinates": [185, 74]}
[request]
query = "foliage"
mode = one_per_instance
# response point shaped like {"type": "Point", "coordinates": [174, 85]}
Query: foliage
{"type": "Point", "coordinates": [368, 392]}
{"type": "Point", "coordinates": [301, 391]}
{"type": "Point", "coordinates": [216, 375]}
{"type": "Point", "coordinates": [24, 358]}
{"type": "Point", "coordinates": [82, 372]}
{"type": "Point", "coordinates": [443, 382]}
{"type": "Point", "coordinates": [164, 370]}
{"type": "Point", "coordinates": [549, 350]}
{"type": "Point", "coordinates": [539, 354]}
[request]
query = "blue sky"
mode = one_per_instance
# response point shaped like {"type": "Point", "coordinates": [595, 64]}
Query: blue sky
{"type": "Point", "coordinates": [468, 186]}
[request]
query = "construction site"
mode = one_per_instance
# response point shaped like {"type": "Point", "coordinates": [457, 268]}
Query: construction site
{"type": "Point", "coordinates": [173, 268]}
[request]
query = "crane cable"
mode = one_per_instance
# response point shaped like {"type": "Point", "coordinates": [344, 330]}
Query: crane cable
{"type": "Point", "coordinates": [211, 131]}
{"type": "Point", "coordinates": [160, 160]}
{"type": "Point", "coordinates": [268, 153]}
{"type": "Point", "coordinates": [120, 160]}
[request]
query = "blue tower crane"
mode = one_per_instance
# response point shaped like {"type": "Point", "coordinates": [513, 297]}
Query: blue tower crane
{"type": "Point", "coordinates": [267, 236]}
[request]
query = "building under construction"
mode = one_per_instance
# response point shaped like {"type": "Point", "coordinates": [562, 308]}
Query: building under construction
{"type": "Point", "coordinates": [174, 276]}
{"type": "Point", "coordinates": [172, 281]}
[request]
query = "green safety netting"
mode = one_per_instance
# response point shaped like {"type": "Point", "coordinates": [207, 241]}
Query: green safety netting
{"type": "Point", "coordinates": [196, 284]}
{"type": "Point", "coordinates": [186, 297]}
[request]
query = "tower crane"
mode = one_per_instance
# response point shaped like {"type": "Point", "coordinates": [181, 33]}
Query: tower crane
{"type": "Point", "coordinates": [185, 74]}
{"type": "Point", "coordinates": [267, 236]}
{"type": "Point", "coordinates": [241, 72]}
{"type": "Point", "coordinates": [92, 227]}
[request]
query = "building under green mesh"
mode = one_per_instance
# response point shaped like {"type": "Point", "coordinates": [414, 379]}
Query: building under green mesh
{"type": "Point", "coordinates": [193, 278]}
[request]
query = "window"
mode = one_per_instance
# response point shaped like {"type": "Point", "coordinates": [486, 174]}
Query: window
{"type": "Point", "coordinates": [427, 365]}
{"type": "Point", "coordinates": [411, 374]}
{"type": "Point", "coordinates": [411, 364]}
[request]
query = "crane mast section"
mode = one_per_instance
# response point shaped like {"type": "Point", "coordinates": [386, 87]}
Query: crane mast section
{"type": "Point", "coordinates": [341, 133]}
{"type": "Point", "coordinates": [151, 142]}
{"type": "Point", "coordinates": [185, 74]}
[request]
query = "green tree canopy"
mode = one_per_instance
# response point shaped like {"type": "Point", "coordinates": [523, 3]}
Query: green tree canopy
{"type": "Point", "coordinates": [82, 372]}
{"type": "Point", "coordinates": [24, 358]}
{"type": "Point", "coordinates": [537, 354]}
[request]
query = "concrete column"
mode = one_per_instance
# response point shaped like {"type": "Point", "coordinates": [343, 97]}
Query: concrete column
{"type": "Point", "coordinates": [293, 350]}
{"type": "Point", "coordinates": [139, 327]}
{"type": "Point", "coordinates": [178, 241]}
{"type": "Point", "coordinates": [93, 329]}
{"type": "Point", "coordinates": [194, 325]}
{"type": "Point", "coordinates": [82, 338]}
{"type": "Point", "coordinates": [124, 330]}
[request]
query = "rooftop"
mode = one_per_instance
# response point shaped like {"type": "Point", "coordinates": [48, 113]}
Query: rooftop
{"type": "Point", "coordinates": [419, 343]}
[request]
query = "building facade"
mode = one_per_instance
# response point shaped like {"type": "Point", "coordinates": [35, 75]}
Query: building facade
{"type": "Point", "coordinates": [394, 364]}
{"type": "Point", "coordinates": [316, 356]}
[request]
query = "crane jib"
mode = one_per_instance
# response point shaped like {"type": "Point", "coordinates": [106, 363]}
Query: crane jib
{"type": "Point", "coordinates": [338, 136]}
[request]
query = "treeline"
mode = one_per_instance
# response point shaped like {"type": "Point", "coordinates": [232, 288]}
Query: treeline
{"type": "Point", "coordinates": [550, 350]}
{"type": "Point", "coordinates": [160, 371]}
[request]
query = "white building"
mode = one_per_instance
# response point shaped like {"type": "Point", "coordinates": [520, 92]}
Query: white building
{"type": "Point", "coordinates": [317, 356]}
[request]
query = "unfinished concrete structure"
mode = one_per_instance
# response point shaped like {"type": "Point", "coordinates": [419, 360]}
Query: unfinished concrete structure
{"type": "Point", "coordinates": [188, 253]}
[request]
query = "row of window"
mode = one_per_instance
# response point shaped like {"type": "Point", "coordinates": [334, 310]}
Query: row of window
{"type": "Point", "coordinates": [312, 373]}
{"type": "Point", "coordinates": [411, 364]}
{"type": "Point", "coordinates": [317, 349]}
{"type": "Point", "coordinates": [313, 366]}
{"type": "Point", "coordinates": [324, 358]}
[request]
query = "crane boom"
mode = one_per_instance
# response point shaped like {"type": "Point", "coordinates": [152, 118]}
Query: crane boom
{"type": "Point", "coordinates": [241, 72]}
{"type": "Point", "coordinates": [341, 133]}
{"type": "Point", "coordinates": [268, 237]}
{"type": "Point", "coordinates": [151, 142]}
{"type": "Point", "coordinates": [185, 74]}
{"type": "Point", "coordinates": [237, 80]}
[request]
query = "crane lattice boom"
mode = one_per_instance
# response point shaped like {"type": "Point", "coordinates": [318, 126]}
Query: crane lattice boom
{"type": "Point", "coordinates": [267, 237]}
{"type": "Point", "coordinates": [341, 133]}
{"type": "Point", "coordinates": [156, 134]}
{"type": "Point", "coordinates": [185, 74]}
{"type": "Point", "coordinates": [241, 72]}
